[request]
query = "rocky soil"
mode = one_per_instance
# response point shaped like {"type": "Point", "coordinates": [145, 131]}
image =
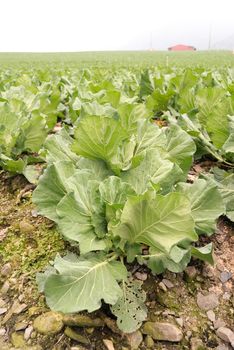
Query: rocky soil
{"type": "Point", "coordinates": [192, 310]}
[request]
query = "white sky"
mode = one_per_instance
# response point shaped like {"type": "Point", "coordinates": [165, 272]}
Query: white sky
{"type": "Point", "coordinates": [86, 25]}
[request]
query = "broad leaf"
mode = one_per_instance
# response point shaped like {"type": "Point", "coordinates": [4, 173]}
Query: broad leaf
{"type": "Point", "coordinates": [161, 223]}
{"type": "Point", "coordinates": [52, 188]}
{"type": "Point", "coordinates": [206, 203]}
{"type": "Point", "coordinates": [84, 283]}
{"type": "Point", "coordinates": [130, 309]}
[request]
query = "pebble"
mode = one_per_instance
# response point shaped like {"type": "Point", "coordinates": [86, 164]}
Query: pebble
{"type": "Point", "coordinates": [196, 344]}
{"type": "Point", "coordinates": [135, 339]}
{"type": "Point", "coordinates": [3, 310]}
{"type": "Point", "coordinates": [20, 326]}
{"type": "Point", "coordinates": [27, 333]}
{"type": "Point", "coordinates": [219, 323]}
{"type": "Point", "coordinates": [17, 308]}
{"type": "Point", "coordinates": [190, 273]}
{"type": "Point", "coordinates": [162, 286]}
{"type": "Point", "coordinates": [108, 344]}
{"type": "Point", "coordinates": [211, 315]}
{"type": "Point", "coordinates": [25, 227]}
{"type": "Point", "coordinates": [168, 283]}
{"type": "Point", "coordinates": [34, 213]}
{"type": "Point", "coordinates": [149, 342]}
{"type": "Point", "coordinates": [225, 276]}
{"type": "Point", "coordinates": [48, 323]}
{"type": "Point", "coordinates": [2, 331]}
{"type": "Point", "coordinates": [222, 347]}
{"type": "Point", "coordinates": [163, 331]}
{"type": "Point", "coordinates": [82, 321]}
{"type": "Point", "coordinates": [226, 334]}
{"type": "Point", "coordinates": [5, 288]}
{"type": "Point", "coordinates": [142, 276]}
{"type": "Point", "coordinates": [69, 332]}
{"type": "Point", "coordinates": [6, 270]}
{"type": "Point", "coordinates": [2, 302]}
{"type": "Point", "coordinates": [207, 302]}
{"type": "Point", "coordinates": [179, 321]}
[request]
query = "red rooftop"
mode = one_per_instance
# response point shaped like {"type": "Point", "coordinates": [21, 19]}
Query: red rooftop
{"type": "Point", "coordinates": [181, 48]}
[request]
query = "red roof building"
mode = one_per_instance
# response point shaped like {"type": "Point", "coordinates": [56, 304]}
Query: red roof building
{"type": "Point", "coordinates": [181, 48]}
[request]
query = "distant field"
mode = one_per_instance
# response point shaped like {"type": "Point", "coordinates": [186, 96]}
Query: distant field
{"type": "Point", "coordinates": [131, 58]}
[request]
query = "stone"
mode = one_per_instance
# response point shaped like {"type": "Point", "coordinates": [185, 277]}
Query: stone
{"type": "Point", "coordinates": [226, 334]}
{"type": "Point", "coordinates": [190, 273]}
{"type": "Point", "coordinates": [17, 308]}
{"type": "Point", "coordinates": [207, 302]}
{"type": "Point", "coordinates": [225, 276]}
{"type": "Point", "coordinates": [21, 326]}
{"type": "Point", "coordinates": [3, 310]}
{"type": "Point", "coordinates": [149, 342]}
{"type": "Point", "coordinates": [34, 310]}
{"type": "Point", "coordinates": [2, 331]}
{"type": "Point", "coordinates": [27, 333]}
{"type": "Point", "coordinates": [70, 333]}
{"type": "Point", "coordinates": [179, 321]}
{"type": "Point", "coordinates": [219, 323]}
{"type": "Point", "coordinates": [162, 286]}
{"type": "Point", "coordinates": [135, 339]}
{"type": "Point", "coordinates": [6, 270]}
{"type": "Point", "coordinates": [163, 331]}
{"type": "Point", "coordinates": [168, 283]}
{"type": "Point", "coordinates": [48, 323]}
{"type": "Point", "coordinates": [5, 288]}
{"type": "Point", "coordinates": [17, 340]}
{"type": "Point", "coordinates": [211, 315]}
{"type": "Point", "coordinates": [141, 276]}
{"type": "Point", "coordinates": [108, 344]}
{"type": "Point", "coordinates": [82, 321]}
{"type": "Point", "coordinates": [3, 233]}
{"type": "Point", "coordinates": [222, 347]}
{"type": "Point", "coordinates": [196, 344]}
{"type": "Point", "coordinates": [25, 227]}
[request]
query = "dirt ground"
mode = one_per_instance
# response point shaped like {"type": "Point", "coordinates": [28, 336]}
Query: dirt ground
{"type": "Point", "coordinates": [28, 242]}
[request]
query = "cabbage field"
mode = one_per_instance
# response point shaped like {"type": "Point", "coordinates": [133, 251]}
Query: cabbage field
{"type": "Point", "coordinates": [117, 201]}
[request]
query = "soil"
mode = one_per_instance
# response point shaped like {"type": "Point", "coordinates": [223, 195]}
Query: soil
{"type": "Point", "coordinates": [28, 242]}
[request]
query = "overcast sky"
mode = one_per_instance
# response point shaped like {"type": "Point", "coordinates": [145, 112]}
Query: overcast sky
{"type": "Point", "coordinates": [86, 25]}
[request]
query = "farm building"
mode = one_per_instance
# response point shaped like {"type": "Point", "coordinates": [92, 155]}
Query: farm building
{"type": "Point", "coordinates": [181, 48]}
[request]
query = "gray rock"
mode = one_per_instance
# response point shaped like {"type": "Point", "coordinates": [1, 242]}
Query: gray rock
{"type": "Point", "coordinates": [226, 334]}
{"type": "Point", "coordinates": [17, 308]}
{"type": "Point", "coordinates": [3, 310]}
{"type": "Point", "coordinates": [27, 333]}
{"type": "Point", "coordinates": [48, 323]}
{"type": "Point", "coordinates": [222, 347]}
{"type": "Point", "coordinates": [108, 344]}
{"type": "Point", "coordinates": [211, 315]}
{"type": "Point", "coordinates": [5, 288]}
{"type": "Point", "coordinates": [196, 344]}
{"type": "Point", "coordinates": [21, 326]}
{"type": "Point", "coordinates": [2, 331]}
{"type": "Point", "coordinates": [190, 273]}
{"type": "Point", "coordinates": [168, 283]}
{"type": "Point", "coordinates": [162, 286]}
{"type": "Point", "coordinates": [163, 331]}
{"type": "Point", "coordinates": [142, 276]}
{"type": "Point", "coordinates": [207, 302]}
{"type": "Point", "coordinates": [225, 276]}
{"type": "Point", "coordinates": [6, 270]}
{"type": "Point", "coordinates": [219, 323]}
{"type": "Point", "coordinates": [135, 339]}
{"type": "Point", "coordinates": [179, 321]}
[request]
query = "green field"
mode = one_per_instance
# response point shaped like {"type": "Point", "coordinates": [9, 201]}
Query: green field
{"type": "Point", "coordinates": [122, 164]}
